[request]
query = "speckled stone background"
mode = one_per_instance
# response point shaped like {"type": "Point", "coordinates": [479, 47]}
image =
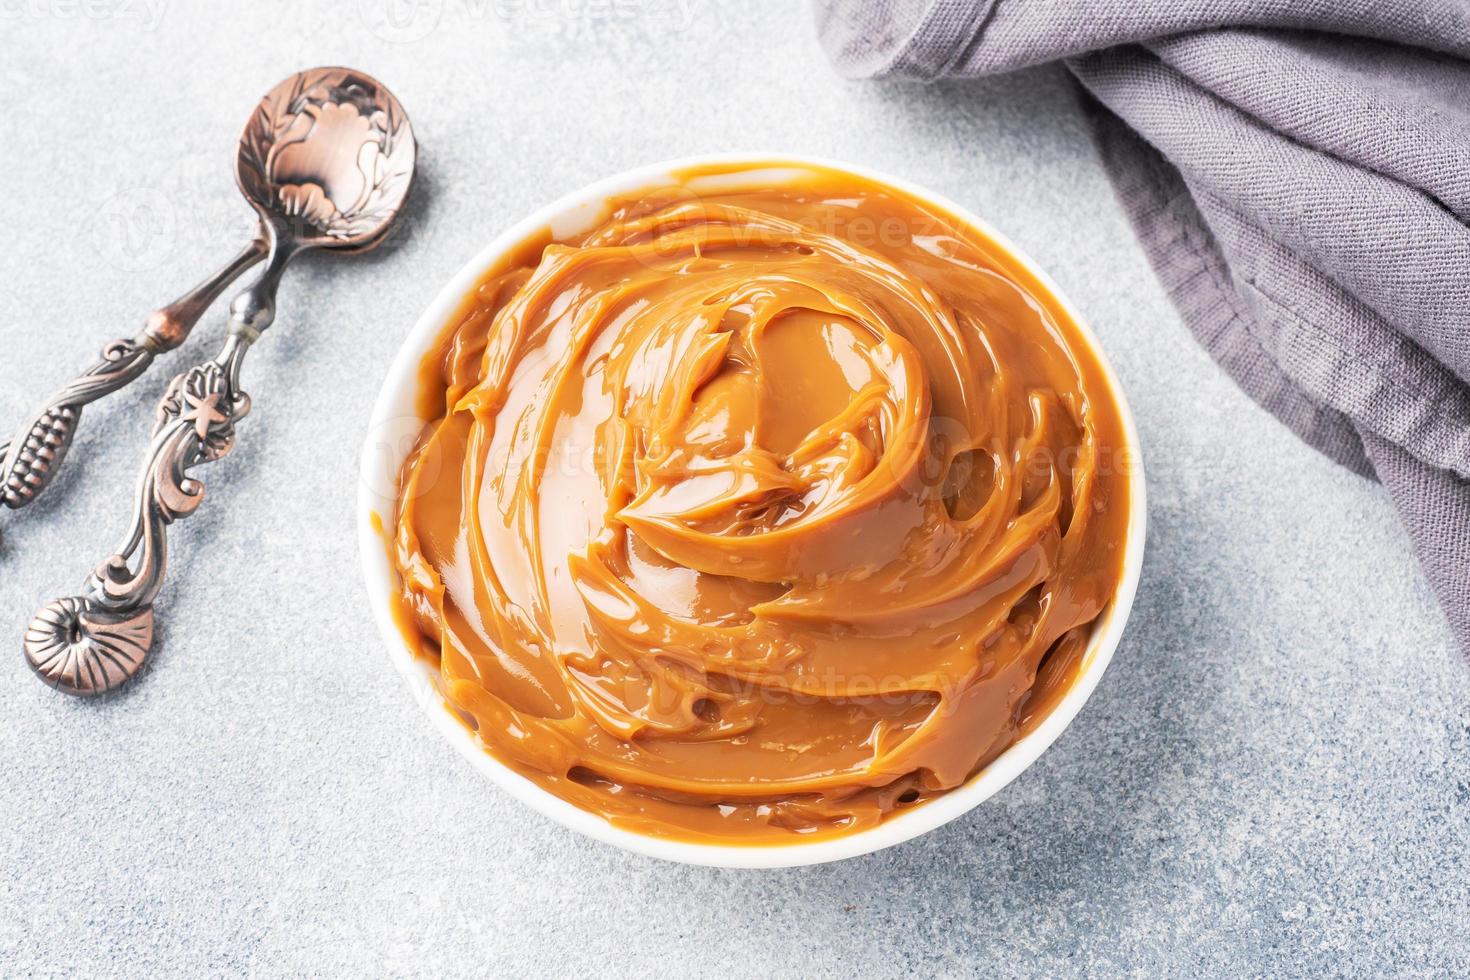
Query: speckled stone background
{"type": "Point", "coordinates": [1273, 777]}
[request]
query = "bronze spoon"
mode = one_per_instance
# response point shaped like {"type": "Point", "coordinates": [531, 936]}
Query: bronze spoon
{"type": "Point", "coordinates": [31, 459]}
{"type": "Point", "coordinates": [326, 161]}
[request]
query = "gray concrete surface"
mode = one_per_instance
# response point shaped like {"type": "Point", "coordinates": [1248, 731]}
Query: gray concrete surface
{"type": "Point", "coordinates": [1273, 777]}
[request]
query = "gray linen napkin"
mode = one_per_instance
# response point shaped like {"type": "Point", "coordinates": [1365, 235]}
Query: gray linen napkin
{"type": "Point", "coordinates": [1299, 174]}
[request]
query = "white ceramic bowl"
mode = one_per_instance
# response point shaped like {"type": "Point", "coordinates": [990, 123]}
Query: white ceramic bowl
{"type": "Point", "coordinates": [395, 425]}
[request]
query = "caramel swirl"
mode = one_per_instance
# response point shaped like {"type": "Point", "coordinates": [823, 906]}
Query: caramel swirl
{"type": "Point", "coordinates": [764, 509]}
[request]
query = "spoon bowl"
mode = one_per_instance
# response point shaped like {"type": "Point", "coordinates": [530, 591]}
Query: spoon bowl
{"type": "Point", "coordinates": [328, 156]}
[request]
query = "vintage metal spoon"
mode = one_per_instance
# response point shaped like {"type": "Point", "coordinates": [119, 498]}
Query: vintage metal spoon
{"type": "Point", "coordinates": [29, 462]}
{"type": "Point", "coordinates": [326, 161]}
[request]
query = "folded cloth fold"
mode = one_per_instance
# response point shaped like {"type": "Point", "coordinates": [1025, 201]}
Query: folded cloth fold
{"type": "Point", "coordinates": [1298, 172]}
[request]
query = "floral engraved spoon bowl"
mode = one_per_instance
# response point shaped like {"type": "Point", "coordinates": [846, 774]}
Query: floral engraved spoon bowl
{"type": "Point", "coordinates": [326, 161]}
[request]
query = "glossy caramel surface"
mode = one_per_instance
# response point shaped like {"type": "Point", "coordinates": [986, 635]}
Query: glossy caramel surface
{"type": "Point", "coordinates": [766, 508]}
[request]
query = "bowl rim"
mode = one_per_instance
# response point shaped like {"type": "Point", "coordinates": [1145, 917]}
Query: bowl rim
{"type": "Point", "coordinates": [382, 457]}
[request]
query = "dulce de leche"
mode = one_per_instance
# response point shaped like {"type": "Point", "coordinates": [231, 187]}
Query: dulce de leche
{"type": "Point", "coordinates": [769, 507]}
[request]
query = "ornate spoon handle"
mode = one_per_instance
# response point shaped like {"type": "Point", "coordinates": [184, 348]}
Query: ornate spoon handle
{"type": "Point", "coordinates": [30, 460]}
{"type": "Point", "coordinates": [92, 643]}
